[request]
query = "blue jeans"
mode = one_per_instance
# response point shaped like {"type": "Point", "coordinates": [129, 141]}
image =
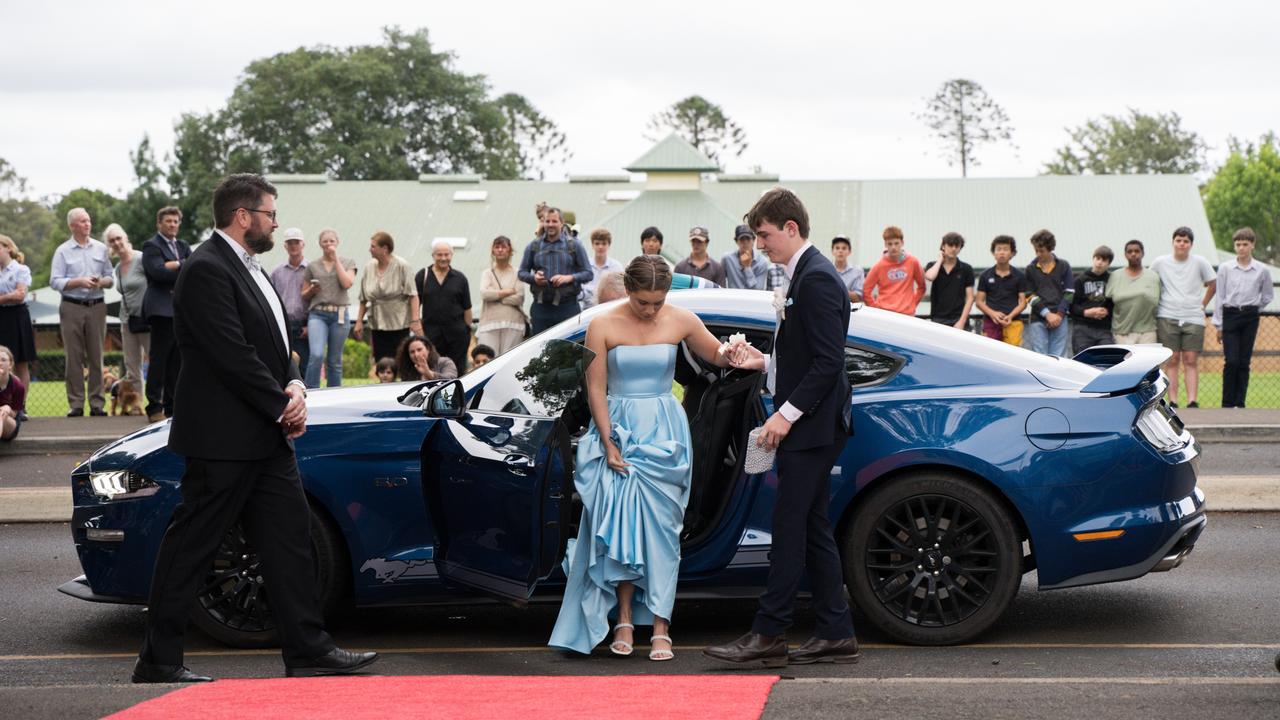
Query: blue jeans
{"type": "Point", "coordinates": [1039, 338]}
{"type": "Point", "coordinates": [323, 327]}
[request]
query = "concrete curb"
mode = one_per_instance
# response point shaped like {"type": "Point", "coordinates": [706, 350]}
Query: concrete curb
{"type": "Point", "coordinates": [1236, 433]}
{"type": "Point", "coordinates": [1223, 493]}
{"type": "Point", "coordinates": [56, 445]}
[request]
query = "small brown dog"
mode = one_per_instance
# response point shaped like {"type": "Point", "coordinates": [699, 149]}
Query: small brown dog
{"type": "Point", "coordinates": [125, 396]}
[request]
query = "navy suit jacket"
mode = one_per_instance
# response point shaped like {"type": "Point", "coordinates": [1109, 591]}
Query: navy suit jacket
{"type": "Point", "coordinates": [809, 352]}
{"type": "Point", "coordinates": [158, 300]}
{"type": "Point", "coordinates": [235, 365]}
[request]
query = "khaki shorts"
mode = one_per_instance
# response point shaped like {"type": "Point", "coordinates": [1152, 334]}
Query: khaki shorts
{"type": "Point", "coordinates": [1180, 336]}
{"type": "Point", "coordinates": [1138, 338]}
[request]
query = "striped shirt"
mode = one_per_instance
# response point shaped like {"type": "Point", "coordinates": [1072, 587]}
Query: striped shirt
{"type": "Point", "coordinates": [71, 261]}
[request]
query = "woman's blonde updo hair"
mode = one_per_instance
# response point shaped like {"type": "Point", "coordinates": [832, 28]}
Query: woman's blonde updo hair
{"type": "Point", "coordinates": [647, 273]}
{"type": "Point", "coordinates": [14, 252]}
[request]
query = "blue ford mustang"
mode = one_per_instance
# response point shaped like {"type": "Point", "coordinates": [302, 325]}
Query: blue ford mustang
{"type": "Point", "coordinates": [972, 462]}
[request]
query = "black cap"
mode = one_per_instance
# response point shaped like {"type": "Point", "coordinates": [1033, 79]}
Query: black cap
{"type": "Point", "coordinates": [742, 230]}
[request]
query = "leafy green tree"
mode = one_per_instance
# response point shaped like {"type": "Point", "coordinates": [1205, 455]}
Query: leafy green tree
{"type": "Point", "coordinates": [205, 149]}
{"type": "Point", "coordinates": [136, 213]}
{"type": "Point", "coordinates": [534, 143]}
{"type": "Point", "coordinates": [98, 203]}
{"type": "Point", "coordinates": [962, 116]}
{"type": "Point", "coordinates": [31, 224]}
{"type": "Point", "coordinates": [1134, 144]}
{"type": "Point", "coordinates": [1245, 191]}
{"type": "Point", "coordinates": [703, 124]}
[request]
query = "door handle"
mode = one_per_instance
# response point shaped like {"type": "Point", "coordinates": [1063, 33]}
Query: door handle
{"type": "Point", "coordinates": [518, 464]}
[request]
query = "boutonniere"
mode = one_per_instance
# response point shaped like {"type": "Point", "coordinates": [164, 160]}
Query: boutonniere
{"type": "Point", "coordinates": [781, 302]}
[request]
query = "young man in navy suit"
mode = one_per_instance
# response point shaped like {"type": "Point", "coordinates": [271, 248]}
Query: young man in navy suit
{"type": "Point", "coordinates": [240, 404]}
{"type": "Point", "coordinates": [809, 428]}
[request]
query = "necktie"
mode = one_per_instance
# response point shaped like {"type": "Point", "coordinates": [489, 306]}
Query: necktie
{"type": "Point", "coordinates": [252, 263]}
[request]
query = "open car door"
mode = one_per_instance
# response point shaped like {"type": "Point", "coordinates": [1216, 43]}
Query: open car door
{"type": "Point", "coordinates": [498, 475]}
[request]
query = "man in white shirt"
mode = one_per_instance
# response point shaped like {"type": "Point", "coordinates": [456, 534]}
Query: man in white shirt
{"type": "Point", "coordinates": [1187, 284]}
{"type": "Point", "coordinates": [81, 270]}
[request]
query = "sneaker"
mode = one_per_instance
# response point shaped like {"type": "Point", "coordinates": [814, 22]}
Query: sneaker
{"type": "Point", "coordinates": [1193, 404]}
{"type": "Point", "coordinates": [75, 413]}
{"type": "Point", "coordinates": [1173, 405]}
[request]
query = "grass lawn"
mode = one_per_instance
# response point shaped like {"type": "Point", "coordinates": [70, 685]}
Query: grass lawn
{"type": "Point", "coordinates": [48, 399]}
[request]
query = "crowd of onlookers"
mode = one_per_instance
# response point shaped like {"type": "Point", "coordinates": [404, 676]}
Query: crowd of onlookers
{"type": "Point", "coordinates": [418, 325]}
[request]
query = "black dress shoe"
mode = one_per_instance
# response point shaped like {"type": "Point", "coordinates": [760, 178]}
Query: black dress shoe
{"type": "Point", "coordinates": [75, 413]}
{"type": "Point", "coordinates": [97, 412]}
{"type": "Point", "coordinates": [817, 650]}
{"type": "Point", "coordinates": [145, 672]}
{"type": "Point", "coordinates": [751, 648]}
{"type": "Point", "coordinates": [335, 662]}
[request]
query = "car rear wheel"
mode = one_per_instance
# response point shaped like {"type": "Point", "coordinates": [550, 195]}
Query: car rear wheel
{"type": "Point", "coordinates": [932, 558]}
{"type": "Point", "coordinates": [232, 605]}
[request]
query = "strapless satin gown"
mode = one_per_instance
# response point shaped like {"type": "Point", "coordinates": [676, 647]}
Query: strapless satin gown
{"type": "Point", "coordinates": [630, 527]}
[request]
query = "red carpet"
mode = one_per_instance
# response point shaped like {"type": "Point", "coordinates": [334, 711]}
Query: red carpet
{"type": "Point", "coordinates": [467, 697]}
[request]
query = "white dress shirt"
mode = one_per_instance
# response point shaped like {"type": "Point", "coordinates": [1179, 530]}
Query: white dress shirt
{"type": "Point", "coordinates": [263, 283]}
{"type": "Point", "coordinates": [789, 411]}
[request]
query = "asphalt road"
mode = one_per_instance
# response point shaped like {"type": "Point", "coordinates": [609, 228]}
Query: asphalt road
{"type": "Point", "coordinates": [1198, 641]}
{"type": "Point", "coordinates": [1218, 459]}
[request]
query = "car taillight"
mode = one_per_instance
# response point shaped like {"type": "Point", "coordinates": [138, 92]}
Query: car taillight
{"type": "Point", "coordinates": [1161, 428]}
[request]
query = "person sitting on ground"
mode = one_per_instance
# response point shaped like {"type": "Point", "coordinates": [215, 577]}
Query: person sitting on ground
{"type": "Point", "coordinates": [481, 354]}
{"type": "Point", "coordinates": [386, 370]}
{"type": "Point", "coordinates": [13, 397]}
{"type": "Point", "coordinates": [417, 360]}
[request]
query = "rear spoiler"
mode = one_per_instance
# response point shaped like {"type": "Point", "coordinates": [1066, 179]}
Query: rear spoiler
{"type": "Point", "coordinates": [1123, 367]}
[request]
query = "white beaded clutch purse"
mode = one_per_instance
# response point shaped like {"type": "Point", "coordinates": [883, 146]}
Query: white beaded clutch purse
{"type": "Point", "coordinates": [758, 459]}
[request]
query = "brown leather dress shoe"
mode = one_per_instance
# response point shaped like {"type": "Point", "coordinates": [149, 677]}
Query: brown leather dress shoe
{"type": "Point", "coordinates": [751, 648]}
{"type": "Point", "coordinates": [817, 650]}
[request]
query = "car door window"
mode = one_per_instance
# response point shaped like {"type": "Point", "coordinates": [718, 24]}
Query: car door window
{"type": "Point", "coordinates": [866, 367]}
{"type": "Point", "coordinates": [537, 379]}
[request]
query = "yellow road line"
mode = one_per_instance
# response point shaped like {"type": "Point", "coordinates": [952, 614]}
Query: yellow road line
{"type": "Point", "coordinates": [685, 648]}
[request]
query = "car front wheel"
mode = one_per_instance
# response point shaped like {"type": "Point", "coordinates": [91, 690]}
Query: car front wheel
{"type": "Point", "coordinates": [232, 605]}
{"type": "Point", "coordinates": [932, 558]}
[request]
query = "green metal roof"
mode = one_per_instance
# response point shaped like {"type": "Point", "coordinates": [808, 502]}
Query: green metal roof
{"type": "Point", "coordinates": [673, 154]}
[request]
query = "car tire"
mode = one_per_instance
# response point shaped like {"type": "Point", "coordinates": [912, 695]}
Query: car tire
{"type": "Point", "coordinates": [234, 609]}
{"type": "Point", "coordinates": [948, 580]}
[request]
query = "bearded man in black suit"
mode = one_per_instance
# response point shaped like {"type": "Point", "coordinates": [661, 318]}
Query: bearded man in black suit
{"type": "Point", "coordinates": [809, 429]}
{"type": "Point", "coordinates": [239, 405]}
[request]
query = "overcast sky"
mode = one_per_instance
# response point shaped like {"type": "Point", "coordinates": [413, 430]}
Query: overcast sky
{"type": "Point", "coordinates": [823, 90]}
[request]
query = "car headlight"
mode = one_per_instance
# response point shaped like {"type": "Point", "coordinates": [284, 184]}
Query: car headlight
{"type": "Point", "coordinates": [112, 485]}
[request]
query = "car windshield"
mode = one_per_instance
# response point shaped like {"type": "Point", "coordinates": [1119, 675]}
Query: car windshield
{"type": "Point", "coordinates": [538, 378]}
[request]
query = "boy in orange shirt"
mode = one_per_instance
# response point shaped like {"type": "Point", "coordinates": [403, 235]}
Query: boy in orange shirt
{"type": "Point", "coordinates": [896, 281]}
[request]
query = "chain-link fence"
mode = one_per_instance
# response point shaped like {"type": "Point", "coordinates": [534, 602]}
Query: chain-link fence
{"type": "Point", "coordinates": [47, 395]}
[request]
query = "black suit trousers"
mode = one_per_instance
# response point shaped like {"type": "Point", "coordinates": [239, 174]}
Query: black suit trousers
{"type": "Point", "coordinates": [266, 497]}
{"type": "Point", "coordinates": [802, 539]}
{"type": "Point", "coordinates": [162, 373]}
{"type": "Point", "coordinates": [452, 341]}
{"type": "Point", "coordinates": [1239, 331]}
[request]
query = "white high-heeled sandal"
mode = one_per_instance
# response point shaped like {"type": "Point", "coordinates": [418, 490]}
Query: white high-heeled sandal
{"type": "Point", "coordinates": [661, 655]}
{"type": "Point", "coordinates": [618, 647]}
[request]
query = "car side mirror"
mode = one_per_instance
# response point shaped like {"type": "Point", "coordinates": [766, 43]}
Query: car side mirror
{"type": "Point", "coordinates": [446, 401]}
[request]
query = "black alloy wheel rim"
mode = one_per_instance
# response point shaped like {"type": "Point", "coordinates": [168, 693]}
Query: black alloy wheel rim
{"type": "Point", "coordinates": [234, 593]}
{"type": "Point", "coordinates": [932, 560]}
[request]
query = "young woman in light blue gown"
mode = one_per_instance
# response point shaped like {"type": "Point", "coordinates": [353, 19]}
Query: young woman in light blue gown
{"type": "Point", "coordinates": [633, 477]}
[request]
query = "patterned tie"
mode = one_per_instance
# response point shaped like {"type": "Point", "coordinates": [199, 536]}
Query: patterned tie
{"type": "Point", "coordinates": [252, 263]}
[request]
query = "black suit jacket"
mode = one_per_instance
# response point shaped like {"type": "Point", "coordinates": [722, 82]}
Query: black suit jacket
{"type": "Point", "coordinates": [235, 365]}
{"type": "Point", "coordinates": [810, 355]}
{"type": "Point", "coordinates": [158, 300]}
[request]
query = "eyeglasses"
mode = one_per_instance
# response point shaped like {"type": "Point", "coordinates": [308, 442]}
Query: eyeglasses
{"type": "Point", "coordinates": [269, 213]}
